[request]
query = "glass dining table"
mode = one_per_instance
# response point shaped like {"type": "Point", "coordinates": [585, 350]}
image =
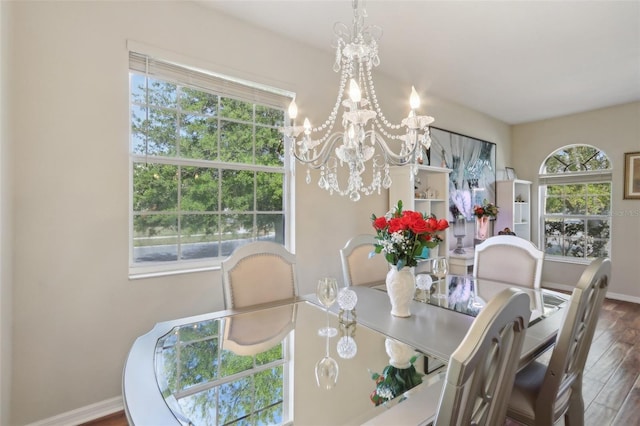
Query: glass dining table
{"type": "Point", "coordinates": [271, 366]}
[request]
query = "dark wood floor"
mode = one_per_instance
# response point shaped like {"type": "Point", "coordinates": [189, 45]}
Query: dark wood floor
{"type": "Point", "coordinates": [612, 375]}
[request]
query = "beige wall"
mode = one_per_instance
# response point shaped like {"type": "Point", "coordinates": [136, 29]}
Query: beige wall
{"type": "Point", "coordinates": [5, 223]}
{"type": "Point", "coordinates": [615, 130]}
{"type": "Point", "coordinates": [75, 312]}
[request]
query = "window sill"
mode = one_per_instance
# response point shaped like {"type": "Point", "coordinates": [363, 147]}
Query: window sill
{"type": "Point", "coordinates": [571, 260]}
{"type": "Point", "coordinates": [163, 270]}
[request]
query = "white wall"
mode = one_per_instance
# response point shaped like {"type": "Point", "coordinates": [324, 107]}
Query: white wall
{"type": "Point", "coordinates": [75, 312]}
{"type": "Point", "coordinates": [615, 130]}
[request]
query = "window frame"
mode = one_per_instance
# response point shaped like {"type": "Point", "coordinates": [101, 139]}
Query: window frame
{"type": "Point", "coordinates": [231, 88]}
{"type": "Point", "coordinates": [597, 176]}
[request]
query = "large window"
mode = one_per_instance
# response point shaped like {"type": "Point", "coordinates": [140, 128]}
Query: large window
{"type": "Point", "coordinates": [207, 164]}
{"type": "Point", "coordinates": [575, 185]}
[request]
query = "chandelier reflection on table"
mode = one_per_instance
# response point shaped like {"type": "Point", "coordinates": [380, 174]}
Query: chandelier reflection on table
{"type": "Point", "coordinates": [364, 126]}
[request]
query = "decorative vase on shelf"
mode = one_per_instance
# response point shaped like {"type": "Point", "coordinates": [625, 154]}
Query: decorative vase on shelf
{"type": "Point", "coordinates": [401, 288]}
{"type": "Point", "coordinates": [482, 229]}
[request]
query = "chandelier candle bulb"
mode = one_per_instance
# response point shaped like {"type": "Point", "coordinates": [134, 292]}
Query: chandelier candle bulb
{"type": "Point", "coordinates": [354, 91]}
{"type": "Point", "coordinates": [293, 109]}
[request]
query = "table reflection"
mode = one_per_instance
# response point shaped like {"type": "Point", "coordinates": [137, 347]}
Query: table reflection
{"type": "Point", "coordinates": [260, 368]}
{"type": "Point", "coordinates": [468, 295]}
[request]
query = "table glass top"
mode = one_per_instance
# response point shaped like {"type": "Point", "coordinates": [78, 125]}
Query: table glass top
{"type": "Point", "coordinates": [468, 295]}
{"type": "Point", "coordinates": [260, 368]}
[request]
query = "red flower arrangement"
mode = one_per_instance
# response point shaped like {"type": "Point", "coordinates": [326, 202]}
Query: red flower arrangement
{"type": "Point", "coordinates": [403, 235]}
{"type": "Point", "coordinates": [487, 209]}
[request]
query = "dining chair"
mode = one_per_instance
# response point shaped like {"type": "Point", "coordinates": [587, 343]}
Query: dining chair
{"type": "Point", "coordinates": [358, 268]}
{"type": "Point", "coordinates": [509, 259]}
{"type": "Point", "coordinates": [258, 272]}
{"type": "Point", "coordinates": [481, 370]}
{"type": "Point", "coordinates": [543, 393]}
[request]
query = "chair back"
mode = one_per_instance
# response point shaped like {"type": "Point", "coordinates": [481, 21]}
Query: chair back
{"type": "Point", "coordinates": [563, 378]}
{"type": "Point", "coordinates": [259, 272]}
{"type": "Point", "coordinates": [510, 259]}
{"type": "Point", "coordinates": [481, 371]}
{"type": "Point", "coordinates": [357, 267]}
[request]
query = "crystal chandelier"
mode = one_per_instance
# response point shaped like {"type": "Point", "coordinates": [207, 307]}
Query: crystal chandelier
{"type": "Point", "coordinates": [365, 129]}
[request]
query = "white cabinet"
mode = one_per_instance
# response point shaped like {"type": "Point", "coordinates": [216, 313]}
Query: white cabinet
{"type": "Point", "coordinates": [427, 192]}
{"type": "Point", "coordinates": [513, 197]}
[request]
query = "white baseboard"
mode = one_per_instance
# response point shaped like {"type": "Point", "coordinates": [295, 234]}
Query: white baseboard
{"type": "Point", "coordinates": [84, 414]}
{"type": "Point", "coordinates": [610, 295]}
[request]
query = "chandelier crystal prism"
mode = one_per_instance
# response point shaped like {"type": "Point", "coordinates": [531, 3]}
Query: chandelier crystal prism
{"type": "Point", "coordinates": [366, 135]}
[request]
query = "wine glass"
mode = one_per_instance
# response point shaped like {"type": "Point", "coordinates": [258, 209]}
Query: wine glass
{"type": "Point", "coordinates": [440, 269]}
{"type": "Point", "coordinates": [326, 371]}
{"type": "Point", "coordinates": [327, 293]}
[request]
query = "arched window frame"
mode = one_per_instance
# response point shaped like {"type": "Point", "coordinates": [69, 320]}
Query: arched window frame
{"type": "Point", "coordinates": [580, 227]}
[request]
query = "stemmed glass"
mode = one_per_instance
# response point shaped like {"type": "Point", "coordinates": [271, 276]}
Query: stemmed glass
{"type": "Point", "coordinates": [440, 269]}
{"type": "Point", "coordinates": [327, 293]}
{"type": "Point", "coordinates": [327, 371]}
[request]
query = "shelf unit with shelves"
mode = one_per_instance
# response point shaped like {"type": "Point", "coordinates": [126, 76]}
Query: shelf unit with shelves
{"type": "Point", "coordinates": [426, 192]}
{"type": "Point", "coordinates": [514, 201]}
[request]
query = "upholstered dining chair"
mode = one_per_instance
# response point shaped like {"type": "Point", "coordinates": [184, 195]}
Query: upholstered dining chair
{"type": "Point", "coordinates": [544, 393]}
{"type": "Point", "coordinates": [357, 267]}
{"type": "Point", "coordinates": [258, 272]}
{"type": "Point", "coordinates": [480, 373]}
{"type": "Point", "coordinates": [509, 259]}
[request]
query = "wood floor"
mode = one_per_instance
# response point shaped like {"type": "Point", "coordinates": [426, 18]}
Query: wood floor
{"type": "Point", "coordinates": [612, 375]}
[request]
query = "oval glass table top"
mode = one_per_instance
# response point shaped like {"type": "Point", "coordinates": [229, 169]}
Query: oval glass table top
{"type": "Point", "coordinates": [270, 367]}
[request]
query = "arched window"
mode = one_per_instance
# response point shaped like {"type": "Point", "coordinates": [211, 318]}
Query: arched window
{"type": "Point", "coordinates": [575, 189]}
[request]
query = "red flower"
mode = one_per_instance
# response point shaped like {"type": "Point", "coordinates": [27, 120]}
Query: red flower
{"type": "Point", "coordinates": [380, 223]}
{"type": "Point", "coordinates": [396, 224]}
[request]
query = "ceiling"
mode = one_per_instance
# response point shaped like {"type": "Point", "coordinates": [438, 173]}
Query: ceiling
{"type": "Point", "coordinates": [518, 61]}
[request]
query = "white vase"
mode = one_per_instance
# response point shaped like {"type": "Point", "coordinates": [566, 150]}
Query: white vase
{"type": "Point", "coordinates": [401, 288]}
{"type": "Point", "coordinates": [399, 353]}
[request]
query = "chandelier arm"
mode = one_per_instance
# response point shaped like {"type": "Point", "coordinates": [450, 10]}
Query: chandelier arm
{"type": "Point", "coordinates": [394, 159]}
{"type": "Point", "coordinates": [323, 154]}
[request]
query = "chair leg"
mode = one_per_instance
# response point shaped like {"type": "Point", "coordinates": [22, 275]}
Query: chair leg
{"type": "Point", "coordinates": [575, 413]}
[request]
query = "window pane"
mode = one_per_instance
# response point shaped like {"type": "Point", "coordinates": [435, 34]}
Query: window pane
{"type": "Point", "coordinates": [200, 234]}
{"type": "Point", "coordinates": [598, 231]}
{"type": "Point", "coordinates": [155, 187]}
{"type": "Point", "coordinates": [198, 137]}
{"type": "Point", "coordinates": [271, 227]}
{"type": "Point", "coordinates": [269, 386]}
{"type": "Point", "coordinates": [162, 93]}
{"type": "Point", "coordinates": [238, 110]}
{"type": "Point", "coordinates": [269, 147]}
{"type": "Point", "coordinates": [554, 205]}
{"type": "Point", "coordinates": [199, 189]}
{"type": "Point", "coordinates": [236, 142]}
{"type": "Point", "coordinates": [139, 129]}
{"type": "Point", "coordinates": [237, 227]}
{"type": "Point", "coordinates": [553, 237]}
{"type": "Point", "coordinates": [237, 190]}
{"type": "Point", "coordinates": [575, 237]}
{"type": "Point", "coordinates": [155, 238]}
{"type": "Point", "coordinates": [138, 89]}
{"type": "Point", "coordinates": [269, 195]}
{"type": "Point", "coordinates": [193, 100]}
{"type": "Point", "coordinates": [198, 362]}
{"type": "Point", "coordinates": [575, 204]}
{"type": "Point", "coordinates": [161, 132]}
{"type": "Point", "coordinates": [229, 410]}
{"type": "Point", "coordinates": [269, 116]}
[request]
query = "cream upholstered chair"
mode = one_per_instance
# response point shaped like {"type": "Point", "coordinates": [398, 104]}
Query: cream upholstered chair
{"type": "Point", "coordinates": [509, 259]}
{"type": "Point", "coordinates": [544, 393]}
{"type": "Point", "coordinates": [259, 272]}
{"type": "Point", "coordinates": [357, 267]}
{"type": "Point", "coordinates": [481, 370]}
